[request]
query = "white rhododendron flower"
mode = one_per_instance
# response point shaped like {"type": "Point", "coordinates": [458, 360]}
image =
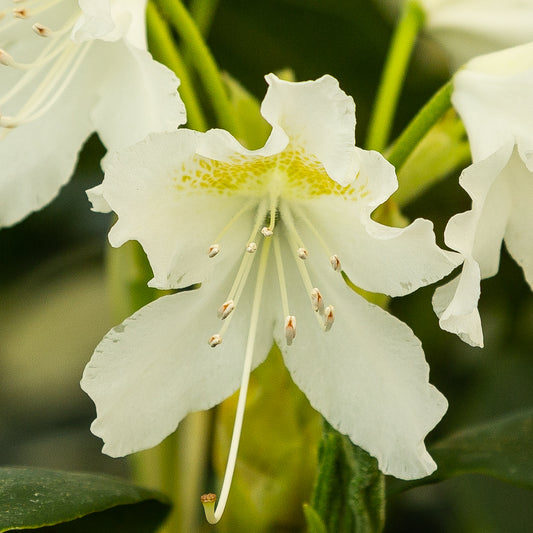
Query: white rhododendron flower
{"type": "Point", "coordinates": [468, 28]}
{"type": "Point", "coordinates": [69, 68]}
{"type": "Point", "coordinates": [267, 233]}
{"type": "Point", "coordinates": [494, 97]}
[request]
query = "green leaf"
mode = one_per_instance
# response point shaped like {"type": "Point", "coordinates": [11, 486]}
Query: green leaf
{"type": "Point", "coordinates": [34, 498]}
{"type": "Point", "coordinates": [502, 449]}
{"type": "Point", "coordinates": [349, 491]}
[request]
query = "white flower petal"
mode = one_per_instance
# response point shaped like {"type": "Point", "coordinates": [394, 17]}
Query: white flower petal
{"type": "Point", "coordinates": [367, 375]}
{"type": "Point", "coordinates": [220, 145]}
{"type": "Point", "coordinates": [319, 117]}
{"type": "Point", "coordinates": [39, 157]}
{"type": "Point", "coordinates": [518, 238]}
{"type": "Point", "coordinates": [96, 197]}
{"type": "Point", "coordinates": [137, 96]}
{"type": "Point", "coordinates": [153, 187]}
{"type": "Point", "coordinates": [111, 20]}
{"type": "Point", "coordinates": [95, 22]}
{"type": "Point", "coordinates": [455, 303]}
{"type": "Point", "coordinates": [493, 97]}
{"type": "Point", "coordinates": [479, 232]}
{"type": "Point", "coordinates": [155, 368]}
{"type": "Point", "coordinates": [377, 258]}
{"type": "Point", "coordinates": [469, 28]}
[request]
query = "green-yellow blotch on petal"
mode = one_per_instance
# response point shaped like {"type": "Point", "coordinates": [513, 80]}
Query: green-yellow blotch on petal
{"type": "Point", "coordinates": [68, 70]}
{"type": "Point", "coordinates": [268, 233]}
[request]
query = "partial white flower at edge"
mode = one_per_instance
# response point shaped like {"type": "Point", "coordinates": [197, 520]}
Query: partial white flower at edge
{"type": "Point", "coordinates": [493, 94]}
{"type": "Point", "coordinates": [267, 233]}
{"type": "Point", "coordinates": [68, 69]}
{"type": "Point", "coordinates": [469, 28]}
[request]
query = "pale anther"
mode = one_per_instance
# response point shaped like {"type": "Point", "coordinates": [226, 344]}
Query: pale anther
{"type": "Point", "coordinates": [208, 501]}
{"type": "Point", "coordinates": [41, 30]}
{"type": "Point", "coordinates": [214, 340]}
{"type": "Point", "coordinates": [317, 301]}
{"type": "Point", "coordinates": [6, 59]}
{"type": "Point", "coordinates": [8, 122]}
{"type": "Point", "coordinates": [290, 329]}
{"type": "Point", "coordinates": [225, 309]}
{"type": "Point", "coordinates": [20, 12]}
{"type": "Point", "coordinates": [267, 232]}
{"type": "Point", "coordinates": [329, 317]}
{"type": "Point", "coordinates": [302, 253]}
{"type": "Point", "coordinates": [213, 250]}
{"type": "Point", "coordinates": [251, 247]}
{"type": "Point", "coordinates": [335, 262]}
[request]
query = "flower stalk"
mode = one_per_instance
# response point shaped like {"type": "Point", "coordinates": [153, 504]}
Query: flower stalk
{"type": "Point", "coordinates": [402, 45]}
{"type": "Point", "coordinates": [164, 49]}
{"type": "Point", "coordinates": [205, 63]}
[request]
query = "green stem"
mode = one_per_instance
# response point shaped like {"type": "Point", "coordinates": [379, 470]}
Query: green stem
{"type": "Point", "coordinates": [204, 62]}
{"type": "Point", "coordinates": [420, 125]}
{"type": "Point", "coordinates": [203, 11]}
{"type": "Point", "coordinates": [164, 50]}
{"type": "Point", "coordinates": [403, 42]}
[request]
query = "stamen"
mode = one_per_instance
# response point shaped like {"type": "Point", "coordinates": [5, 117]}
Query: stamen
{"type": "Point", "coordinates": [208, 501]}
{"type": "Point", "coordinates": [226, 309]}
{"type": "Point", "coordinates": [214, 515]}
{"type": "Point", "coordinates": [41, 30]}
{"type": "Point", "coordinates": [335, 262]}
{"type": "Point", "coordinates": [291, 237]}
{"type": "Point", "coordinates": [214, 249]}
{"type": "Point", "coordinates": [302, 253]}
{"type": "Point", "coordinates": [251, 248]}
{"type": "Point", "coordinates": [290, 329]}
{"type": "Point", "coordinates": [281, 278]}
{"type": "Point", "coordinates": [8, 122]}
{"type": "Point", "coordinates": [267, 232]}
{"type": "Point", "coordinates": [214, 340]}
{"type": "Point", "coordinates": [329, 317]}
{"type": "Point", "coordinates": [317, 301]}
{"type": "Point", "coordinates": [7, 59]}
{"type": "Point", "coordinates": [20, 12]}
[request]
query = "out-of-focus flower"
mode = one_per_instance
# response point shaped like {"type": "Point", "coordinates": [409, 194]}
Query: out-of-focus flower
{"type": "Point", "coordinates": [69, 69]}
{"type": "Point", "coordinates": [468, 28]}
{"type": "Point", "coordinates": [265, 233]}
{"type": "Point", "coordinates": [493, 95]}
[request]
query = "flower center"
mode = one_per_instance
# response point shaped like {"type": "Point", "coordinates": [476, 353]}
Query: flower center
{"type": "Point", "coordinates": [38, 30]}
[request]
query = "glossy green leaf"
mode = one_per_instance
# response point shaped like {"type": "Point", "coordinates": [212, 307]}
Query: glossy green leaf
{"type": "Point", "coordinates": [502, 449]}
{"type": "Point", "coordinates": [35, 498]}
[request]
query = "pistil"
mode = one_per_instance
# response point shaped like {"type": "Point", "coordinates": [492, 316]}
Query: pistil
{"type": "Point", "coordinates": [213, 515]}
